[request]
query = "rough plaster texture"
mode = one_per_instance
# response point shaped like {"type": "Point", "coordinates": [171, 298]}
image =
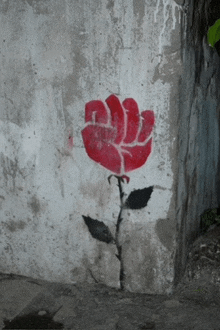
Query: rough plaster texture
{"type": "Point", "coordinates": [198, 142]}
{"type": "Point", "coordinates": [56, 56]}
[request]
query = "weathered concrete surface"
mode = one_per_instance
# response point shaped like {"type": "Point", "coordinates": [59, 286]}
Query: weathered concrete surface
{"type": "Point", "coordinates": [198, 143]}
{"type": "Point", "coordinates": [55, 57]}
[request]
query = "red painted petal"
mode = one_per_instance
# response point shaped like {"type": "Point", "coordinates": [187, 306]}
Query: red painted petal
{"type": "Point", "coordinates": [137, 156]}
{"type": "Point", "coordinates": [132, 113]}
{"type": "Point", "coordinates": [95, 110]}
{"type": "Point", "coordinates": [97, 141]}
{"type": "Point", "coordinates": [118, 116]}
{"type": "Point", "coordinates": [147, 125]}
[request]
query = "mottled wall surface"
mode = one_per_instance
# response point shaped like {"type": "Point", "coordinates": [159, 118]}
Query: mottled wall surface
{"type": "Point", "coordinates": [55, 57]}
{"type": "Point", "coordinates": [198, 143]}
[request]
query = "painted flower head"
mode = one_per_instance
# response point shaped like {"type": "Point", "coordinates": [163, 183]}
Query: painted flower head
{"type": "Point", "coordinates": [116, 135]}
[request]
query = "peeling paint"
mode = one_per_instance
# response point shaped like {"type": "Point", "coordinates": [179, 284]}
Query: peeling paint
{"type": "Point", "coordinates": [170, 10]}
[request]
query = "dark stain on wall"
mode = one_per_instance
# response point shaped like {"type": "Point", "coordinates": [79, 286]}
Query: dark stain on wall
{"type": "Point", "coordinates": [13, 225]}
{"type": "Point", "coordinates": [18, 91]}
{"type": "Point", "coordinates": [34, 204]}
{"type": "Point", "coordinates": [40, 7]}
{"type": "Point", "coordinates": [10, 171]}
{"type": "Point", "coordinates": [139, 10]}
{"type": "Point", "coordinates": [4, 6]}
{"type": "Point", "coordinates": [2, 198]}
{"type": "Point", "coordinates": [110, 4]}
{"type": "Point", "coordinates": [70, 83]}
{"type": "Point", "coordinates": [165, 229]}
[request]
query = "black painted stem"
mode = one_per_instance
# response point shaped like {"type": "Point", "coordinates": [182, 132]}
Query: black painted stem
{"type": "Point", "coordinates": [119, 220]}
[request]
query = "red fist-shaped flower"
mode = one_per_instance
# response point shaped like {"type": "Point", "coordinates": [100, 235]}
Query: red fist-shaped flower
{"type": "Point", "coordinates": [116, 135]}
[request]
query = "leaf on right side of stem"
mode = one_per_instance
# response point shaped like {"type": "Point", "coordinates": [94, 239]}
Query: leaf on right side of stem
{"type": "Point", "coordinates": [139, 198]}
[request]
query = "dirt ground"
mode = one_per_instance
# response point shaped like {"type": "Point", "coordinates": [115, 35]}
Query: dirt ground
{"type": "Point", "coordinates": [27, 303]}
{"type": "Point", "coordinates": [194, 305]}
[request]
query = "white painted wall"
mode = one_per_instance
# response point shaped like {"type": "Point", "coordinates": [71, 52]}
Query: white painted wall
{"type": "Point", "coordinates": [55, 57]}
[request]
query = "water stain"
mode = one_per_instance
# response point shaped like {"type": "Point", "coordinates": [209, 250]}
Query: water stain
{"type": "Point", "coordinates": [34, 204]}
{"type": "Point", "coordinates": [11, 171]}
{"type": "Point", "coordinates": [110, 4]}
{"type": "Point", "coordinates": [2, 198]}
{"type": "Point", "coordinates": [15, 225]}
{"type": "Point", "coordinates": [40, 7]}
{"type": "Point", "coordinates": [139, 10]}
{"type": "Point", "coordinates": [18, 89]}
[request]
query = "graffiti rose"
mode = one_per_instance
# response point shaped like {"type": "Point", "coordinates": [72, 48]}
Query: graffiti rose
{"type": "Point", "coordinates": [116, 135]}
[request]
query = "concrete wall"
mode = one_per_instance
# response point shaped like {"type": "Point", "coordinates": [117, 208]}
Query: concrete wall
{"type": "Point", "coordinates": [198, 159]}
{"type": "Point", "coordinates": [56, 56]}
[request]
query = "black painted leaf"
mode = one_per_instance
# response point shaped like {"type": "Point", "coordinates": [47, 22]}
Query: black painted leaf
{"type": "Point", "coordinates": [98, 230]}
{"type": "Point", "coordinates": [139, 198]}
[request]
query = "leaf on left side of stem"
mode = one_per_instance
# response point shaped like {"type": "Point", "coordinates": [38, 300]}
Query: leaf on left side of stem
{"type": "Point", "coordinates": [98, 230]}
{"type": "Point", "coordinates": [139, 198]}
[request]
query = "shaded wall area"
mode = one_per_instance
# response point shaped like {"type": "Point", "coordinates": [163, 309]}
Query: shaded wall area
{"type": "Point", "coordinates": [198, 186]}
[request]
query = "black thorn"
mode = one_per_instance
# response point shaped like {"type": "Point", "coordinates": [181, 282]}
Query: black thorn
{"type": "Point", "coordinates": [109, 177]}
